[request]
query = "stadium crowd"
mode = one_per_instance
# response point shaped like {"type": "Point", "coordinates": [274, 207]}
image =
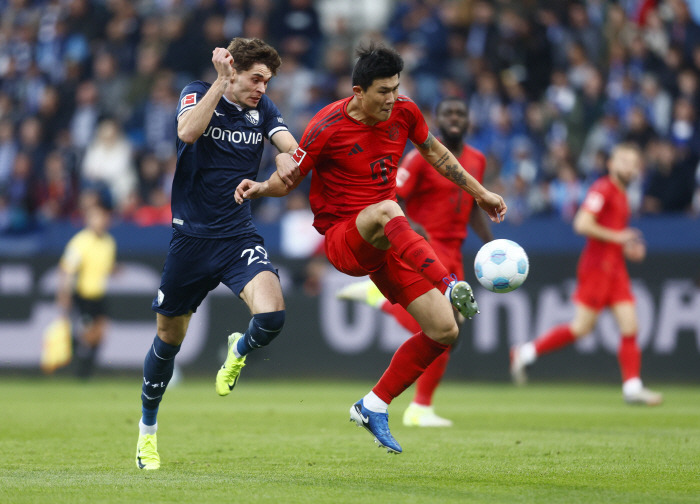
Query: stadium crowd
{"type": "Point", "coordinates": [88, 91]}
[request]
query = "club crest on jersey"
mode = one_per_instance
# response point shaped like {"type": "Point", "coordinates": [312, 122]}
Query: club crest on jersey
{"type": "Point", "coordinates": [190, 99]}
{"type": "Point", "coordinates": [253, 117]}
{"type": "Point", "coordinates": [393, 131]}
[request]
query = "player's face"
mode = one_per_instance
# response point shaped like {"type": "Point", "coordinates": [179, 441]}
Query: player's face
{"type": "Point", "coordinates": [452, 119]}
{"type": "Point", "coordinates": [97, 219]}
{"type": "Point", "coordinates": [249, 85]}
{"type": "Point", "coordinates": [625, 165]}
{"type": "Point", "coordinates": [378, 100]}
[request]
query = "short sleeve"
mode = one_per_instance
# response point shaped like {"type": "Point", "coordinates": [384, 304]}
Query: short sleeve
{"type": "Point", "coordinates": [318, 132]}
{"type": "Point", "coordinates": [408, 174]}
{"type": "Point", "coordinates": [417, 128]}
{"type": "Point", "coordinates": [190, 96]}
{"type": "Point", "coordinates": [273, 119]}
{"type": "Point", "coordinates": [72, 256]}
{"type": "Point", "coordinates": [594, 202]}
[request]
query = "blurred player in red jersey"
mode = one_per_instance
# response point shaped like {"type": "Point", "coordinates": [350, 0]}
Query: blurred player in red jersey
{"type": "Point", "coordinates": [443, 211]}
{"type": "Point", "coordinates": [354, 146]}
{"type": "Point", "coordinates": [603, 281]}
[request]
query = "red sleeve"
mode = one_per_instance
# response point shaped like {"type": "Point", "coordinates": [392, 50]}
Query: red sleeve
{"type": "Point", "coordinates": [417, 127]}
{"type": "Point", "coordinates": [595, 199]}
{"type": "Point", "coordinates": [314, 139]}
{"type": "Point", "coordinates": [409, 173]}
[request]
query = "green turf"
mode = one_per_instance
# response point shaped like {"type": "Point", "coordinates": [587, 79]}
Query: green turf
{"type": "Point", "coordinates": [292, 442]}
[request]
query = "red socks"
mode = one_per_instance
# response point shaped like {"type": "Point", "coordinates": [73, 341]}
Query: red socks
{"type": "Point", "coordinates": [409, 362]}
{"type": "Point", "coordinates": [401, 316]}
{"type": "Point", "coordinates": [630, 357]}
{"type": "Point", "coordinates": [558, 337]}
{"type": "Point", "coordinates": [415, 251]}
{"type": "Point", "coordinates": [430, 379]}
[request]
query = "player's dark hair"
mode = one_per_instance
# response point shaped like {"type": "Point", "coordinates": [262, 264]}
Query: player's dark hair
{"type": "Point", "coordinates": [376, 61]}
{"type": "Point", "coordinates": [247, 52]}
{"type": "Point", "coordinates": [449, 99]}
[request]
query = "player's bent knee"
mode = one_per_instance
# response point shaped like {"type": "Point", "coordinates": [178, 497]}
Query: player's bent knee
{"type": "Point", "coordinates": [445, 335]}
{"type": "Point", "coordinates": [265, 327]}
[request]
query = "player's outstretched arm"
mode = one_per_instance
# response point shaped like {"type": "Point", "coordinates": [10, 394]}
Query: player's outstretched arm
{"type": "Point", "coordinates": [287, 168]}
{"type": "Point", "coordinates": [586, 224]}
{"type": "Point", "coordinates": [273, 187]}
{"type": "Point", "coordinates": [447, 165]}
{"type": "Point", "coordinates": [191, 124]}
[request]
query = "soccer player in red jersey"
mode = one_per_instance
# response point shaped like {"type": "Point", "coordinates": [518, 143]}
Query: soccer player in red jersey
{"type": "Point", "coordinates": [603, 281]}
{"type": "Point", "coordinates": [443, 211]}
{"type": "Point", "coordinates": [354, 146]}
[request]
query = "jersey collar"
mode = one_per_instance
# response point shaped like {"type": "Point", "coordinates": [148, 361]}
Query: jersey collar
{"type": "Point", "coordinates": [238, 107]}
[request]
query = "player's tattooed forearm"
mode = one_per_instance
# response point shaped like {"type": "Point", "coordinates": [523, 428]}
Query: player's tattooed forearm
{"type": "Point", "coordinates": [442, 160]}
{"type": "Point", "coordinates": [428, 142]}
{"type": "Point", "coordinates": [456, 175]}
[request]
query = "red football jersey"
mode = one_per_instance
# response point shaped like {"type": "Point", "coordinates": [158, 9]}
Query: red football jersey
{"type": "Point", "coordinates": [433, 201]}
{"type": "Point", "coordinates": [609, 204]}
{"type": "Point", "coordinates": [355, 164]}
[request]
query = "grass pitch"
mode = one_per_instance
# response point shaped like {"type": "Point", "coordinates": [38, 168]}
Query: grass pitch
{"type": "Point", "coordinates": [62, 441]}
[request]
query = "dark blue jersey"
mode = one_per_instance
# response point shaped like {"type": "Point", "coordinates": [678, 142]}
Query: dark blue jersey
{"type": "Point", "coordinates": [209, 170]}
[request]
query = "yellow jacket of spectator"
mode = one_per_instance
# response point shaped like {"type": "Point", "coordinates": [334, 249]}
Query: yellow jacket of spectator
{"type": "Point", "coordinates": [91, 258]}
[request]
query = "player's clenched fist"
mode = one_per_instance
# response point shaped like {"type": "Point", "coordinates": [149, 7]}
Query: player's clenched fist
{"type": "Point", "coordinates": [248, 189]}
{"type": "Point", "coordinates": [223, 62]}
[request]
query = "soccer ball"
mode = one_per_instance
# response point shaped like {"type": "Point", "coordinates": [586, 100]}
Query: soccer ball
{"type": "Point", "coordinates": [501, 265]}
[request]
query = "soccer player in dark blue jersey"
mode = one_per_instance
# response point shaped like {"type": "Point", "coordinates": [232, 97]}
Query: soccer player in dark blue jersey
{"type": "Point", "coordinates": [220, 127]}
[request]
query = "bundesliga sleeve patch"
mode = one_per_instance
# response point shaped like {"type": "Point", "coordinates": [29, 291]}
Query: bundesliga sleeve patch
{"type": "Point", "coordinates": [594, 202]}
{"type": "Point", "coordinates": [190, 99]}
{"type": "Point", "coordinates": [299, 156]}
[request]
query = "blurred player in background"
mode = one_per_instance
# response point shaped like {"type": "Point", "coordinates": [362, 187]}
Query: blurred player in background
{"type": "Point", "coordinates": [603, 281]}
{"type": "Point", "coordinates": [220, 129]}
{"type": "Point", "coordinates": [84, 270]}
{"type": "Point", "coordinates": [440, 211]}
{"type": "Point", "coordinates": [354, 146]}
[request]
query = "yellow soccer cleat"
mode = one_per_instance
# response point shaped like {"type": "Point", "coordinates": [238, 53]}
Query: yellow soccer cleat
{"type": "Point", "coordinates": [228, 375]}
{"type": "Point", "coordinates": [147, 452]}
{"type": "Point", "coordinates": [363, 292]}
{"type": "Point", "coordinates": [417, 415]}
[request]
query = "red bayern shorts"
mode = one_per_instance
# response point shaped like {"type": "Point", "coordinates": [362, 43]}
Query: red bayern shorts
{"type": "Point", "coordinates": [597, 289]}
{"type": "Point", "coordinates": [449, 252]}
{"type": "Point", "coordinates": [352, 255]}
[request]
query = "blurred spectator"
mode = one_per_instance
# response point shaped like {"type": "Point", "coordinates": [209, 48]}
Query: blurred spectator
{"type": "Point", "coordinates": [670, 187]}
{"type": "Point", "coordinates": [108, 163]}
{"type": "Point", "coordinates": [87, 112]}
{"type": "Point", "coordinates": [57, 195]}
{"type": "Point", "coordinates": [566, 192]}
{"type": "Point", "coordinates": [8, 149]}
{"type": "Point", "coordinates": [656, 104]}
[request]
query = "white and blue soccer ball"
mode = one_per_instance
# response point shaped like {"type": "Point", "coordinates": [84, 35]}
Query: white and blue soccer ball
{"type": "Point", "coordinates": [501, 265]}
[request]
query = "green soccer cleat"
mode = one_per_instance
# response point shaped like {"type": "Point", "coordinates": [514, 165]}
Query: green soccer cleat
{"type": "Point", "coordinates": [228, 375]}
{"type": "Point", "coordinates": [147, 452]}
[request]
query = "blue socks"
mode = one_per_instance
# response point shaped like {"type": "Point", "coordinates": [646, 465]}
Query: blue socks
{"type": "Point", "coordinates": [157, 371]}
{"type": "Point", "coordinates": [263, 328]}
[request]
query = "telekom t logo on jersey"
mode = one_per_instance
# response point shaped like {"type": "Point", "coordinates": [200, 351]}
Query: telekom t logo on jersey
{"type": "Point", "coordinates": [382, 168]}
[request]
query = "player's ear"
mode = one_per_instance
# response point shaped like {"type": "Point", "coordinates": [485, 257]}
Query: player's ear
{"type": "Point", "coordinates": [358, 91]}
